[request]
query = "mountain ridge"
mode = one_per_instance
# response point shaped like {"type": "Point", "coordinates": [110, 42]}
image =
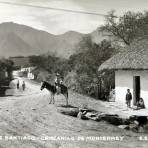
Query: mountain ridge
{"type": "Point", "coordinates": [36, 41]}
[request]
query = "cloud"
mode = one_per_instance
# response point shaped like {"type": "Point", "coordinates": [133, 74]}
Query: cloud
{"type": "Point", "coordinates": [20, 15]}
{"type": "Point", "coordinates": [55, 22]}
{"type": "Point", "coordinates": [58, 22]}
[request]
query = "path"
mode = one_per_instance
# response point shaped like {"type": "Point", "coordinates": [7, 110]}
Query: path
{"type": "Point", "coordinates": [29, 114]}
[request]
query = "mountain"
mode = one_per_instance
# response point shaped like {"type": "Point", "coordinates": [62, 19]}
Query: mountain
{"type": "Point", "coordinates": [11, 44]}
{"type": "Point", "coordinates": [21, 40]}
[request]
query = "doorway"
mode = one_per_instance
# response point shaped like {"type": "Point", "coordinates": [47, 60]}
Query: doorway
{"type": "Point", "coordinates": [136, 89]}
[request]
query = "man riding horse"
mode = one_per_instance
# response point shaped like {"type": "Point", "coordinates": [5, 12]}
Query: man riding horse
{"type": "Point", "coordinates": [58, 88]}
{"type": "Point", "coordinates": [58, 81]}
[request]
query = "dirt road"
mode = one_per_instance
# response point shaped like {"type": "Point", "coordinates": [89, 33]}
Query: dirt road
{"type": "Point", "coordinates": [27, 114]}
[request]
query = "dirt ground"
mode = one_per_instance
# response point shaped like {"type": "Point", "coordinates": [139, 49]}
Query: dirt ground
{"type": "Point", "coordinates": [27, 114]}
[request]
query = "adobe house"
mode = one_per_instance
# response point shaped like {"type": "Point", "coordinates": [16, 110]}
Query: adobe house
{"type": "Point", "coordinates": [131, 71]}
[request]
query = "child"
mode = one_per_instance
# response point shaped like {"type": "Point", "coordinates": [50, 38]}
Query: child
{"type": "Point", "coordinates": [128, 98]}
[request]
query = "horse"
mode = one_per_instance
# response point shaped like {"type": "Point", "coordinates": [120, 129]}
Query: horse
{"type": "Point", "coordinates": [53, 90]}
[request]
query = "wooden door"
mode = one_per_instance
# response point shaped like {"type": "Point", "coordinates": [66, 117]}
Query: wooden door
{"type": "Point", "coordinates": [136, 89]}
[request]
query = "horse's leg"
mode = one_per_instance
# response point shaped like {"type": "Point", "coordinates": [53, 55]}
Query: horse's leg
{"type": "Point", "coordinates": [66, 97]}
{"type": "Point", "coordinates": [51, 96]}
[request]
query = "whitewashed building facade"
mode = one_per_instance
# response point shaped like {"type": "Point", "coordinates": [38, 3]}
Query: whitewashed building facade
{"type": "Point", "coordinates": [131, 71]}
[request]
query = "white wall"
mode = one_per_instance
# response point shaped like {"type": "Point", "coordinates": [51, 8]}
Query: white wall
{"type": "Point", "coordinates": [124, 80]}
{"type": "Point", "coordinates": [30, 75]}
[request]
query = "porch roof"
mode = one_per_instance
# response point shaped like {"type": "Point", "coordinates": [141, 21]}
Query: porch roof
{"type": "Point", "coordinates": [135, 57]}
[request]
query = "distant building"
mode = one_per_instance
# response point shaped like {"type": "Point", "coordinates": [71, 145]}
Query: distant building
{"type": "Point", "coordinates": [131, 71]}
{"type": "Point", "coordinates": [29, 72]}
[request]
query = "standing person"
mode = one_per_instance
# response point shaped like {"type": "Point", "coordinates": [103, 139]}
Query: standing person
{"type": "Point", "coordinates": [18, 84]}
{"type": "Point", "coordinates": [128, 98]}
{"type": "Point", "coordinates": [23, 85]}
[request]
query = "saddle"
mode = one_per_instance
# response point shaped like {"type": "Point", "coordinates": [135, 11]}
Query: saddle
{"type": "Point", "coordinates": [58, 89]}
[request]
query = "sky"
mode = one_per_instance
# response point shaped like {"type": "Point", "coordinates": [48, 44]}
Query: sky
{"type": "Point", "coordinates": [58, 22]}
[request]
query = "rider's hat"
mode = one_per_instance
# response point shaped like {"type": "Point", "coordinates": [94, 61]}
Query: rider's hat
{"type": "Point", "coordinates": [57, 74]}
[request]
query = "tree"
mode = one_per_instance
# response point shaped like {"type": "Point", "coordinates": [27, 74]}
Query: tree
{"type": "Point", "coordinates": [37, 60]}
{"type": "Point", "coordinates": [127, 27]}
{"type": "Point", "coordinates": [86, 64]}
{"type": "Point", "coordinates": [6, 68]}
{"type": "Point", "coordinates": [9, 67]}
{"type": "Point", "coordinates": [85, 44]}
